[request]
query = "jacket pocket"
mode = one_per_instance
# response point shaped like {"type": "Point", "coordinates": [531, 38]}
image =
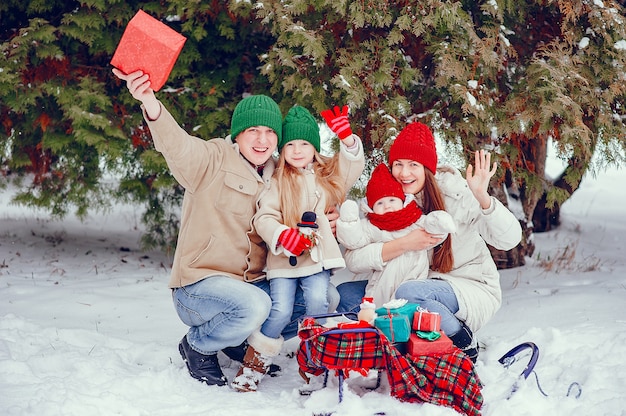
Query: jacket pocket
{"type": "Point", "coordinates": [238, 195]}
{"type": "Point", "coordinates": [201, 254]}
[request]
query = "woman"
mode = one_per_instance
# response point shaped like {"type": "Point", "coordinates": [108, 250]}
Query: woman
{"type": "Point", "coordinates": [463, 283]}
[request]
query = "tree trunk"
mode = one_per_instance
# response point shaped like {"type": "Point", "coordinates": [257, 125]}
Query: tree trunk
{"type": "Point", "coordinates": [534, 152]}
{"type": "Point", "coordinates": [547, 217]}
{"type": "Point", "coordinates": [516, 257]}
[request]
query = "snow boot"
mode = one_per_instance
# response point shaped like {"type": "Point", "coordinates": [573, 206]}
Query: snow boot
{"type": "Point", "coordinates": [464, 340]}
{"type": "Point", "coordinates": [202, 367]}
{"type": "Point", "coordinates": [256, 362]}
{"type": "Point", "coordinates": [237, 353]}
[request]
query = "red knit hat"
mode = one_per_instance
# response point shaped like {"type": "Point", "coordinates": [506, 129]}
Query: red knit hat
{"type": "Point", "coordinates": [382, 184]}
{"type": "Point", "coordinates": [415, 142]}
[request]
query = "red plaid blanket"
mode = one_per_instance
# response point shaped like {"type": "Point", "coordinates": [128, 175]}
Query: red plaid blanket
{"type": "Point", "coordinates": [446, 379]}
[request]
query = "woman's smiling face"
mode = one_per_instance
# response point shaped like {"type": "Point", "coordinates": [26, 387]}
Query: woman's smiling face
{"type": "Point", "coordinates": [410, 174]}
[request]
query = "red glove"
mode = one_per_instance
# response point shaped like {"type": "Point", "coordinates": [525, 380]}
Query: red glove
{"type": "Point", "coordinates": [338, 121]}
{"type": "Point", "coordinates": [294, 242]}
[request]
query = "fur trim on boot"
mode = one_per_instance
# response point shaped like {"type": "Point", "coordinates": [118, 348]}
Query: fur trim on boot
{"type": "Point", "coordinates": [259, 355]}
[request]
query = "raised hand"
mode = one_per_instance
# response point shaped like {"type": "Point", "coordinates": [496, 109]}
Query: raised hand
{"type": "Point", "coordinates": [338, 121]}
{"type": "Point", "coordinates": [138, 85]}
{"type": "Point", "coordinates": [478, 177]}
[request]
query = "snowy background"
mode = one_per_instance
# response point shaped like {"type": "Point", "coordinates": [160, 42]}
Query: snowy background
{"type": "Point", "coordinates": [87, 326]}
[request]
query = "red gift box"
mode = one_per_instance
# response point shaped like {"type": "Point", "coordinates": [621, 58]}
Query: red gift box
{"type": "Point", "coordinates": [150, 46]}
{"type": "Point", "coordinates": [419, 346]}
{"type": "Point", "coordinates": [426, 321]}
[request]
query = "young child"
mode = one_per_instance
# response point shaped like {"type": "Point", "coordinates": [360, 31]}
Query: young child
{"type": "Point", "coordinates": [390, 214]}
{"type": "Point", "coordinates": [304, 182]}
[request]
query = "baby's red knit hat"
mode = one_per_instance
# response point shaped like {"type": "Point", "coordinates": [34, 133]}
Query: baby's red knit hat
{"type": "Point", "coordinates": [415, 142]}
{"type": "Point", "coordinates": [382, 184]}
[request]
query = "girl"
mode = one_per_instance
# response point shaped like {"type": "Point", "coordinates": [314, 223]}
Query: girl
{"type": "Point", "coordinates": [304, 181]}
{"type": "Point", "coordinates": [463, 285]}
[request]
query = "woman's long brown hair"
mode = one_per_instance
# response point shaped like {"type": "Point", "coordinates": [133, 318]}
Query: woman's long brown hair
{"type": "Point", "coordinates": [442, 260]}
{"type": "Point", "coordinates": [327, 177]}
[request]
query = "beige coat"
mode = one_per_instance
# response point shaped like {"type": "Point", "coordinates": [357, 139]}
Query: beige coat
{"type": "Point", "coordinates": [269, 223]}
{"type": "Point", "coordinates": [222, 191]}
{"type": "Point", "coordinates": [474, 277]}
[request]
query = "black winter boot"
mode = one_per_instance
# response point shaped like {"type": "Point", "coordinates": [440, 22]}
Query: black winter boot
{"type": "Point", "coordinates": [237, 353]}
{"type": "Point", "coordinates": [202, 367]}
{"type": "Point", "coordinates": [464, 340]}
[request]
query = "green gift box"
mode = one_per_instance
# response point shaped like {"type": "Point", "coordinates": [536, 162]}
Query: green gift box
{"type": "Point", "coordinates": [408, 309]}
{"type": "Point", "coordinates": [397, 328]}
{"type": "Point", "coordinates": [395, 323]}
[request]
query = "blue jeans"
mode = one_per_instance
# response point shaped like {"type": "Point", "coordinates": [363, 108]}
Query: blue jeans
{"type": "Point", "coordinates": [222, 312]}
{"type": "Point", "coordinates": [351, 295]}
{"type": "Point", "coordinates": [283, 294]}
{"type": "Point", "coordinates": [434, 295]}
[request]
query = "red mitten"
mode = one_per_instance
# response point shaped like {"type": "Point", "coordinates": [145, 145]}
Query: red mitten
{"type": "Point", "coordinates": [338, 121]}
{"type": "Point", "coordinates": [294, 242]}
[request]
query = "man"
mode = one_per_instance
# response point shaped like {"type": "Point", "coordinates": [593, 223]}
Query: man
{"type": "Point", "coordinates": [217, 278]}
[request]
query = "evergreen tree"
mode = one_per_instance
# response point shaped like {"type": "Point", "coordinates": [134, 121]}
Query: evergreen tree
{"type": "Point", "coordinates": [73, 130]}
{"type": "Point", "coordinates": [498, 74]}
{"type": "Point", "coordinates": [503, 75]}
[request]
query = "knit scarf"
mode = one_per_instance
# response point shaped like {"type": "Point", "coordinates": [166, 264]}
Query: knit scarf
{"type": "Point", "coordinates": [397, 220]}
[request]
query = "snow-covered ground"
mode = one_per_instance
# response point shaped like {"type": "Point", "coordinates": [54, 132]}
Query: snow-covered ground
{"type": "Point", "coordinates": [87, 326]}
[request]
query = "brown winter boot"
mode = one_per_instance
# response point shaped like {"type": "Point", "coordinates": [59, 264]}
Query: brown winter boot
{"type": "Point", "coordinates": [259, 355]}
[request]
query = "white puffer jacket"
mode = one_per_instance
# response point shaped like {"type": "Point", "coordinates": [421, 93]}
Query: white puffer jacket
{"type": "Point", "coordinates": [354, 232]}
{"type": "Point", "coordinates": [474, 277]}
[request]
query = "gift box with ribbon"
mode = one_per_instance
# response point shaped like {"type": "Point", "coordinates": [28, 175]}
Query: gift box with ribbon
{"type": "Point", "coordinates": [427, 344]}
{"type": "Point", "coordinates": [426, 321]}
{"type": "Point", "coordinates": [396, 328]}
{"type": "Point", "coordinates": [148, 45]}
{"type": "Point", "coordinates": [395, 322]}
{"type": "Point", "coordinates": [406, 309]}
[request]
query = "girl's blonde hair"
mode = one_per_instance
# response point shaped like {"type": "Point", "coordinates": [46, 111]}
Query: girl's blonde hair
{"type": "Point", "coordinates": [328, 178]}
{"type": "Point", "coordinates": [442, 260]}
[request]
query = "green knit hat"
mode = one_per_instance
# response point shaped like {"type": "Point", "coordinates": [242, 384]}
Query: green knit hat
{"type": "Point", "coordinates": [256, 110]}
{"type": "Point", "coordinates": [299, 124]}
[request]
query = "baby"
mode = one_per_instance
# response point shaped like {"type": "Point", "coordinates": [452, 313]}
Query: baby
{"type": "Point", "coordinates": [389, 214]}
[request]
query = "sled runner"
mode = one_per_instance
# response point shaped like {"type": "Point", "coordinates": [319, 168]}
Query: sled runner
{"type": "Point", "coordinates": [514, 353]}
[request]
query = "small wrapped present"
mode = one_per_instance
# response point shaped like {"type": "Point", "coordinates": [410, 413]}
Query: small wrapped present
{"type": "Point", "coordinates": [395, 318]}
{"type": "Point", "coordinates": [396, 327]}
{"type": "Point", "coordinates": [150, 46]}
{"type": "Point", "coordinates": [423, 346]}
{"type": "Point", "coordinates": [398, 307]}
{"type": "Point", "coordinates": [426, 321]}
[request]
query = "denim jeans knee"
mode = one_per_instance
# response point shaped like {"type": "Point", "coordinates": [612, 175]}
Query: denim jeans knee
{"type": "Point", "coordinates": [315, 292]}
{"type": "Point", "coordinates": [220, 311]}
{"type": "Point", "coordinates": [283, 293]}
{"type": "Point", "coordinates": [299, 307]}
{"type": "Point", "coordinates": [436, 296]}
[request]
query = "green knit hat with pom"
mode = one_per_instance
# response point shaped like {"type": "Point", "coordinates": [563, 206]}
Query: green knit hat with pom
{"type": "Point", "coordinates": [299, 124]}
{"type": "Point", "coordinates": [256, 110]}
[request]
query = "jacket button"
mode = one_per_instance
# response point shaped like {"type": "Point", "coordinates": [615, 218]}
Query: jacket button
{"type": "Point", "coordinates": [240, 186]}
